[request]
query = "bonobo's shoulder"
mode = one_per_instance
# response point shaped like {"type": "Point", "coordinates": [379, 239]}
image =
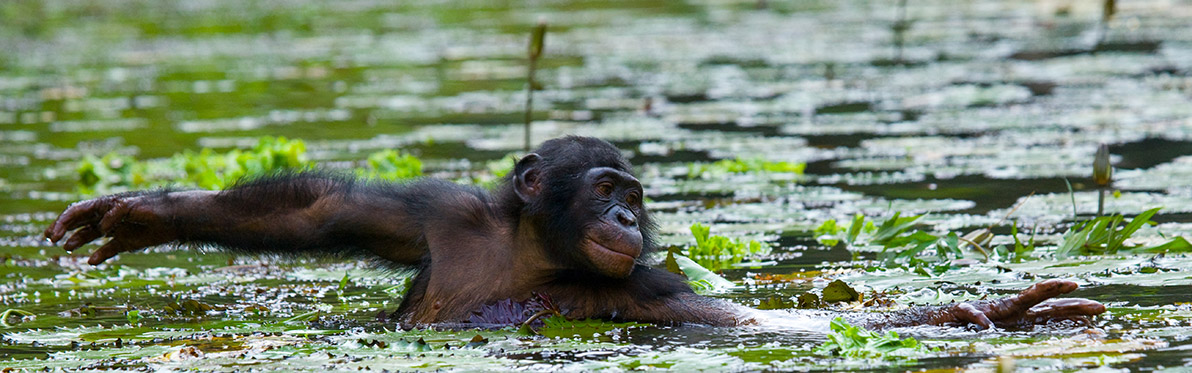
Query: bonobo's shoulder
{"type": "Point", "coordinates": [448, 200]}
{"type": "Point", "coordinates": [448, 188]}
{"type": "Point", "coordinates": [429, 189]}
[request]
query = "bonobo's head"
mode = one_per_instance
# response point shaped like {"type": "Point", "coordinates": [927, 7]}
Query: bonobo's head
{"type": "Point", "coordinates": [585, 205]}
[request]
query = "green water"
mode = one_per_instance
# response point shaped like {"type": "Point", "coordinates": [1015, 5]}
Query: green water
{"type": "Point", "coordinates": [985, 103]}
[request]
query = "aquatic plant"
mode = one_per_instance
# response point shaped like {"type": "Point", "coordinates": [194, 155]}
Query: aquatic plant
{"type": "Point", "coordinates": [204, 169]}
{"type": "Point", "coordinates": [210, 170]}
{"type": "Point", "coordinates": [717, 252]}
{"type": "Point", "coordinates": [493, 171]}
{"type": "Point", "coordinates": [742, 165]}
{"type": "Point", "coordinates": [848, 341]}
{"type": "Point", "coordinates": [133, 316]}
{"type": "Point", "coordinates": [392, 165]}
{"type": "Point", "coordinates": [213, 170]}
{"type": "Point", "coordinates": [1021, 250]}
{"type": "Point", "coordinates": [1108, 9]}
{"type": "Point", "coordinates": [1106, 235]}
{"type": "Point", "coordinates": [838, 291]}
{"type": "Point", "coordinates": [831, 234]}
{"type": "Point", "coordinates": [893, 232]}
{"type": "Point", "coordinates": [537, 42]}
{"type": "Point", "coordinates": [1102, 175]}
{"type": "Point", "coordinates": [899, 28]}
{"type": "Point", "coordinates": [901, 247]}
{"type": "Point", "coordinates": [702, 280]}
{"type": "Point", "coordinates": [14, 313]}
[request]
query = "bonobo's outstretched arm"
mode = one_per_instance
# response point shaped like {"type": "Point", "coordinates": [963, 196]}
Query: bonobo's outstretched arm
{"type": "Point", "coordinates": [1035, 305]}
{"type": "Point", "coordinates": [655, 295]}
{"type": "Point", "coordinates": [293, 213]}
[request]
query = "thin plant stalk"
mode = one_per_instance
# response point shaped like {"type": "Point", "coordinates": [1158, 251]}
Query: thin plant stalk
{"type": "Point", "coordinates": [1108, 8]}
{"type": "Point", "coordinates": [1100, 202]}
{"type": "Point", "coordinates": [1072, 195]}
{"type": "Point", "coordinates": [1102, 175]}
{"type": "Point", "coordinates": [537, 41]}
{"type": "Point", "coordinates": [899, 28]}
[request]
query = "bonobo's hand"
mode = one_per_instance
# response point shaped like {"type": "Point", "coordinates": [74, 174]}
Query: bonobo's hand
{"type": "Point", "coordinates": [129, 219]}
{"type": "Point", "coordinates": [1032, 306]}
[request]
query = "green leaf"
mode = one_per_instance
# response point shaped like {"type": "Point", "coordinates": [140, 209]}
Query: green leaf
{"type": "Point", "coordinates": [838, 291]}
{"type": "Point", "coordinates": [827, 232]}
{"type": "Point", "coordinates": [672, 266]}
{"type": "Point", "coordinates": [133, 316]}
{"type": "Point", "coordinates": [13, 312]}
{"type": "Point", "coordinates": [809, 300]}
{"type": "Point", "coordinates": [775, 303]}
{"type": "Point", "coordinates": [854, 229]}
{"type": "Point", "coordinates": [707, 281]}
{"type": "Point", "coordinates": [718, 252]}
{"type": "Point", "coordinates": [1133, 226]}
{"type": "Point", "coordinates": [852, 342]}
{"type": "Point", "coordinates": [1175, 245]}
{"type": "Point", "coordinates": [892, 227]}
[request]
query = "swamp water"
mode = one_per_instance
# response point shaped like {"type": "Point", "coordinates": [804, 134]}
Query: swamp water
{"type": "Point", "coordinates": [983, 104]}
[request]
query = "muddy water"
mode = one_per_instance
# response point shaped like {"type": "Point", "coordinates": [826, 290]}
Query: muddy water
{"type": "Point", "coordinates": [984, 103]}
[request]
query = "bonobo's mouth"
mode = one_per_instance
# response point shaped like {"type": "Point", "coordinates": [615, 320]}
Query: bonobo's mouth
{"type": "Point", "coordinates": [628, 254]}
{"type": "Point", "coordinates": [615, 257]}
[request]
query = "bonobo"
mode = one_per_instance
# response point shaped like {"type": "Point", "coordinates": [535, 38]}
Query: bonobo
{"type": "Point", "coordinates": [567, 223]}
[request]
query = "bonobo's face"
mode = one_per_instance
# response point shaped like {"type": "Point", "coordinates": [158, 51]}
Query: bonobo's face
{"type": "Point", "coordinates": [612, 239]}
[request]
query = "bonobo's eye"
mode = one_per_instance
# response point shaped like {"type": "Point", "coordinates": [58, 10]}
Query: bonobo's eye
{"type": "Point", "coordinates": [604, 189]}
{"type": "Point", "coordinates": [633, 199]}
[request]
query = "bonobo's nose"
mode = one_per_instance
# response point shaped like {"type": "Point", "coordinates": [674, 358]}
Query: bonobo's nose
{"type": "Point", "coordinates": [626, 218]}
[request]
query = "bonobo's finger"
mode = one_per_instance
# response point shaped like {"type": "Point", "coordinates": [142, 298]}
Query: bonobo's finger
{"type": "Point", "coordinates": [966, 312]}
{"type": "Point", "coordinates": [82, 237]}
{"type": "Point", "coordinates": [109, 250]}
{"type": "Point", "coordinates": [1045, 290]}
{"type": "Point", "coordinates": [1018, 304]}
{"type": "Point", "coordinates": [77, 215]}
{"type": "Point", "coordinates": [116, 213]}
{"type": "Point", "coordinates": [1065, 308]}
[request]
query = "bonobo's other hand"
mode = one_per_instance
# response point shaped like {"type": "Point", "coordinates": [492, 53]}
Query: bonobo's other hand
{"type": "Point", "coordinates": [1032, 306]}
{"type": "Point", "coordinates": [129, 219]}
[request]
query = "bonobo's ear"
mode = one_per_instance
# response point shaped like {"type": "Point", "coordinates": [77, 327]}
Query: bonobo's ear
{"type": "Point", "coordinates": [525, 177]}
